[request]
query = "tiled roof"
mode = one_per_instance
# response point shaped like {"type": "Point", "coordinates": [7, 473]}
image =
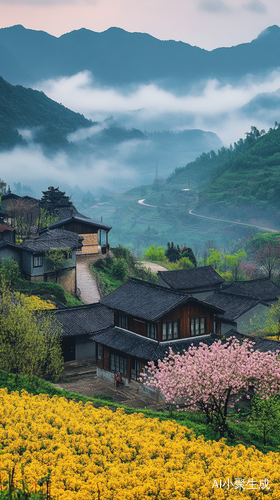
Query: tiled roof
{"type": "Point", "coordinates": [147, 349]}
{"type": "Point", "coordinates": [55, 238]}
{"type": "Point", "coordinates": [188, 279]}
{"type": "Point", "coordinates": [260, 344]}
{"type": "Point", "coordinates": [145, 300]}
{"type": "Point", "coordinates": [82, 320]}
{"type": "Point", "coordinates": [262, 289]}
{"type": "Point", "coordinates": [4, 243]}
{"type": "Point", "coordinates": [66, 212]}
{"type": "Point", "coordinates": [78, 218]}
{"type": "Point", "coordinates": [234, 305]}
{"type": "Point", "coordinates": [6, 228]}
{"type": "Point", "coordinates": [142, 347]}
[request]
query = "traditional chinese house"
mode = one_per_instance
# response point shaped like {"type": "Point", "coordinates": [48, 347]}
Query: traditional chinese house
{"type": "Point", "coordinates": [198, 282]}
{"type": "Point", "coordinates": [95, 234]}
{"type": "Point", "coordinates": [148, 319]}
{"type": "Point", "coordinates": [78, 324]}
{"type": "Point", "coordinates": [36, 265]}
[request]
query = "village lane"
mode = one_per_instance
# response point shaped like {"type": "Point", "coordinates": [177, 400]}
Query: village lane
{"type": "Point", "coordinates": [86, 284]}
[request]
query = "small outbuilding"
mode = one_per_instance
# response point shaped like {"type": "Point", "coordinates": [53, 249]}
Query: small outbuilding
{"type": "Point", "coordinates": [94, 234]}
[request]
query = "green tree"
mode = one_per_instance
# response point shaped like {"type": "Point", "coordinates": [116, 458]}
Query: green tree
{"type": "Point", "coordinates": [54, 198]}
{"type": "Point", "coordinates": [183, 263]}
{"type": "Point", "coordinates": [57, 257]}
{"type": "Point", "coordinates": [265, 416]}
{"type": "Point", "coordinates": [234, 263]}
{"type": "Point", "coordinates": [173, 252]}
{"type": "Point", "coordinates": [119, 269]}
{"type": "Point", "coordinates": [154, 254]}
{"type": "Point", "coordinates": [187, 252]}
{"type": "Point", "coordinates": [30, 343]}
{"type": "Point", "coordinates": [45, 218]}
{"type": "Point", "coordinates": [9, 272]}
{"type": "Point", "coordinates": [215, 258]}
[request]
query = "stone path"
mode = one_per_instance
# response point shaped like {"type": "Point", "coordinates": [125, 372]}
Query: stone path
{"type": "Point", "coordinates": [152, 266]}
{"type": "Point", "coordinates": [81, 377]}
{"type": "Point", "coordinates": [88, 290]}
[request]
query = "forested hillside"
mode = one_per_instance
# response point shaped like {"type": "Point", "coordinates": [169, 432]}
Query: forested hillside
{"type": "Point", "coordinates": [48, 121]}
{"type": "Point", "coordinates": [246, 176]}
{"type": "Point", "coordinates": [240, 183]}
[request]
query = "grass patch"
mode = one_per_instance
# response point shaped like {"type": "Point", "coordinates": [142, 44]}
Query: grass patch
{"type": "Point", "coordinates": [47, 291]}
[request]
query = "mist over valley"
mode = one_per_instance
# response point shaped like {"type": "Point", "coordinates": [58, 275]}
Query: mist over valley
{"type": "Point", "coordinates": [125, 111]}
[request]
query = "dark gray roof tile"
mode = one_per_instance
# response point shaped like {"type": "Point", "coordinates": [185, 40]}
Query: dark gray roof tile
{"type": "Point", "coordinates": [84, 320]}
{"type": "Point", "coordinates": [78, 218]}
{"type": "Point", "coordinates": [54, 238]}
{"type": "Point", "coordinates": [145, 300]}
{"type": "Point", "coordinates": [262, 289]}
{"type": "Point", "coordinates": [190, 279]}
{"type": "Point", "coordinates": [149, 350]}
{"type": "Point", "coordinates": [233, 305]}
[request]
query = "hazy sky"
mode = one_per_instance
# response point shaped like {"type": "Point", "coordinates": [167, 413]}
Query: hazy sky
{"type": "Point", "coordinates": [205, 23]}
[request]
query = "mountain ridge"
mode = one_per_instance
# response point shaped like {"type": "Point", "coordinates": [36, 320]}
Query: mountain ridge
{"type": "Point", "coordinates": [120, 58]}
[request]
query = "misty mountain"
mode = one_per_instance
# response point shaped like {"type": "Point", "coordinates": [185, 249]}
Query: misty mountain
{"type": "Point", "coordinates": [263, 105]}
{"type": "Point", "coordinates": [109, 154]}
{"type": "Point", "coordinates": [240, 183]}
{"type": "Point", "coordinates": [27, 114]}
{"type": "Point", "coordinates": [118, 58]}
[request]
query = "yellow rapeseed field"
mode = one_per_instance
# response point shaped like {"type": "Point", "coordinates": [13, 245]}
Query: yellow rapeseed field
{"type": "Point", "coordinates": [98, 454]}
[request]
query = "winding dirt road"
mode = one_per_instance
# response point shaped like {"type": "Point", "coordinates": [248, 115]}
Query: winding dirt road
{"type": "Point", "coordinates": [234, 222]}
{"type": "Point", "coordinates": [141, 202]}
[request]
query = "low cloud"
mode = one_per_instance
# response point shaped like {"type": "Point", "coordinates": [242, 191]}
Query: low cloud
{"type": "Point", "coordinates": [214, 6]}
{"type": "Point", "coordinates": [118, 166]}
{"type": "Point", "coordinates": [150, 107]}
{"type": "Point", "coordinates": [256, 6]}
{"type": "Point", "coordinates": [30, 166]}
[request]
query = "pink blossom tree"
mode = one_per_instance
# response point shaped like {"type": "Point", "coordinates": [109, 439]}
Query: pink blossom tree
{"type": "Point", "coordinates": [212, 378]}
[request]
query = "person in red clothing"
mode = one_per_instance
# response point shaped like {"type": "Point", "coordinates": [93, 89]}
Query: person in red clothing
{"type": "Point", "coordinates": [118, 379]}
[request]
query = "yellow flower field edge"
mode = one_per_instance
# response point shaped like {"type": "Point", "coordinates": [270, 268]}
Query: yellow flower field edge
{"type": "Point", "coordinates": [97, 454]}
{"type": "Point", "coordinates": [244, 432]}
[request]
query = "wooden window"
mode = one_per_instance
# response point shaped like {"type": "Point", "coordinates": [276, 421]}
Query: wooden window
{"type": "Point", "coordinates": [122, 320]}
{"type": "Point", "coordinates": [99, 351]}
{"type": "Point", "coordinates": [118, 364]}
{"type": "Point", "coordinates": [198, 326]}
{"type": "Point", "coordinates": [37, 260]}
{"type": "Point", "coordinates": [151, 330]}
{"type": "Point", "coordinates": [170, 330]}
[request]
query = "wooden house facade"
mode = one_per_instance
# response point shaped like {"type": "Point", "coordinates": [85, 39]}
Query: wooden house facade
{"type": "Point", "coordinates": [148, 319]}
{"type": "Point", "coordinates": [95, 235]}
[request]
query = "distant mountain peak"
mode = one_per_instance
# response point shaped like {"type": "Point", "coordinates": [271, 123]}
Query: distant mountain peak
{"type": "Point", "coordinates": [271, 30]}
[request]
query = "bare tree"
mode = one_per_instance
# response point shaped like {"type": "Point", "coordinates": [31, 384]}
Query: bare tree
{"type": "Point", "coordinates": [268, 258]}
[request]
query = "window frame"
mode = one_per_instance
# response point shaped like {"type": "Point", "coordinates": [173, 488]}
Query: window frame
{"type": "Point", "coordinates": [170, 330]}
{"type": "Point", "coordinates": [40, 260]}
{"type": "Point", "coordinates": [118, 363]}
{"type": "Point", "coordinates": [151, 330]}
{"type": "Point", "coordinates": [197, 325]}
{"type": "Point", "coordinates": [122, 320]}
